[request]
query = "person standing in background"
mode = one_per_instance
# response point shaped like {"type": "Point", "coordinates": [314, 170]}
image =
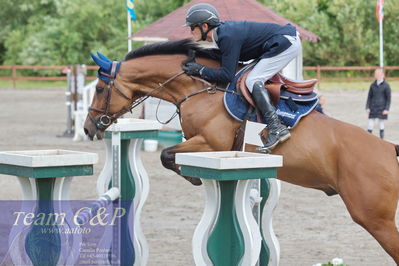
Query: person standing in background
{"type": "Point", "coordinates": [378, 102]}
{"type": "Point", "coordinates": [319, 107]}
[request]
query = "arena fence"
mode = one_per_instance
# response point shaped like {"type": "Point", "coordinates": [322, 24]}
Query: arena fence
{"type": "Point", "coordinates": [16, 73]}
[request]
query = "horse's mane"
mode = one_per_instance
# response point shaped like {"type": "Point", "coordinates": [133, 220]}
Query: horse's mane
{"type": "Point", "coordinates": [184, 46]}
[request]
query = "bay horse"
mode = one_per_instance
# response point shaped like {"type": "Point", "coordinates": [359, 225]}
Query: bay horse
{"type": "Point", "coordinates": [322, 153]}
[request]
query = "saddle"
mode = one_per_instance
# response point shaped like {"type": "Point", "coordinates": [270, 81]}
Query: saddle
{"type": "Point", "coordinates": [275, 85]}
{"type": "Point", "coordinates": [293, 100]}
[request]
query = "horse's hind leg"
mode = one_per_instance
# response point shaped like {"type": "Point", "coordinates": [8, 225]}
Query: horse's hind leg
{"type": "Point", "coordinates": [373, 206]}
{"type": "Point", "coordinates": [194, 144]}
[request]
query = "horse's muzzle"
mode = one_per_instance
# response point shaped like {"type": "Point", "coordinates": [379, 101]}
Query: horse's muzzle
{"type": "Point", "coordinates": [91, 130]}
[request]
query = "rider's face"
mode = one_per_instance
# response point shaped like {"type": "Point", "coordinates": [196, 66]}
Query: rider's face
{"type": "Point", "coordinates": [196, 32]}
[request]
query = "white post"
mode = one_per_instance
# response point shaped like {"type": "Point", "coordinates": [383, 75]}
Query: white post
{"type": "Point", "coordinates": [381, 44]}
{"type": "Point", "coordinates": [129, 30]}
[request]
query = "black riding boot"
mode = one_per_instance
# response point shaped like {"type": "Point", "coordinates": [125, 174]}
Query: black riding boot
{"type": "Point", "coordinates": [381, 133]}
{"type": "Point", "coordinates": [277, 131]}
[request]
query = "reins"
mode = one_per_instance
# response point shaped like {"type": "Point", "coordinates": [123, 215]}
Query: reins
{"type": "Point", "coordinates": [210, 90]}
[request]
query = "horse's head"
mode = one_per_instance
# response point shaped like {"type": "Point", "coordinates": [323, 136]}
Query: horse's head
{"type": "Point", "coordinates": [156, 71]}
{"type": "Point", "coordinates": [111, 99]}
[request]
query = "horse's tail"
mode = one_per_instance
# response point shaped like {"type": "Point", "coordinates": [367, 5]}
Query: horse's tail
{"type": "Point", "coordinates": [397, 150]}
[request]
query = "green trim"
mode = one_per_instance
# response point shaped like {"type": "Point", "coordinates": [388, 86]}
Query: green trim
{"type": "Point", "coordinates": [264, 256]}
{"type": "Point", "coordinates": [226, 243]}
{"type": "Point", "coordinates": [46, 172]}
{"type": "Point", "coordinates": [169, 138]}
{"type": "Point", "coordinates": [135, 134]}
{"type": "Point", "coordinates": [128, 191]}
{"type": "Point", "coordinates": [45, 189]}
{"type": "Point", "coordinates": [40, 235]}
{"type": "Point", "coordinates": [43, 244]}
{"type": "Point", "coordinates": [127, 186]}
{"type": "Point", "coordinates": [229, 174]}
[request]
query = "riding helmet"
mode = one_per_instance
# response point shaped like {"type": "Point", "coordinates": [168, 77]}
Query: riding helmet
{"type": "Point", "coordinates": [202, 13]}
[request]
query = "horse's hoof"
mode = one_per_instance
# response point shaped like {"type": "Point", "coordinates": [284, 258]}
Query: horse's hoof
{"type": "Point", "coordinates": [194, 181]}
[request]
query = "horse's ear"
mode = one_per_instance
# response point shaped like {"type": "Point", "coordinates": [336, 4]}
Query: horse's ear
{"type": "Point", "coordinates": [103, 57]}
{"type": "Point", "coordinates": [101, 63]}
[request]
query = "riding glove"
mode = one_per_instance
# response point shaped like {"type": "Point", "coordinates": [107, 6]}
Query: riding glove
{"type": "Point", "coordinates": [193, 69]}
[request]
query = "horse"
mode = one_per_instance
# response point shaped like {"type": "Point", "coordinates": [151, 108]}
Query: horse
{"type": "Point", "coordinates": [322, 153]}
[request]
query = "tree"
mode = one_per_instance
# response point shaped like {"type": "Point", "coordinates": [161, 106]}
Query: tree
{"type": "Point", "coordinates": [57, 32]}
{"type": "Point", "coordinates": [348, 29]}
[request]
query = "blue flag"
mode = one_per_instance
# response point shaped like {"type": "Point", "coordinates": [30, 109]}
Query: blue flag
{"type": "Point", "coordinates": [130, 8]}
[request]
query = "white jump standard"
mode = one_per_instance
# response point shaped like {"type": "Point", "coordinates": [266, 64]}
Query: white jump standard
{"type": "Point", "coordinates": [123, 169]}
{"type": "Point", "coordinates": [228, 233]}
{"type": "Point", "coordinates": [45, 177]}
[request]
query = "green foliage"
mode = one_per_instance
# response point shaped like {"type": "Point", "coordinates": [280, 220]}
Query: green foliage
{"type": "Point", "coordinates": [348, 29]}
{"type": "Point", "coordinates": [57, 32]}
{"type": "Point", "coordinates": [331, 264]}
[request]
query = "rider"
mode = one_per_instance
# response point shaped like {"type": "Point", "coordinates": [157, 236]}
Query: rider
{"type": "Point", "coordinates": [274, 45]}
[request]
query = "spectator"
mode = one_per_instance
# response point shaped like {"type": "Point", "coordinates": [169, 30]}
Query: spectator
{"type": "Point", "coordinates": [319, 106]}
{"type": "Point", "coordinates": [378, 102]}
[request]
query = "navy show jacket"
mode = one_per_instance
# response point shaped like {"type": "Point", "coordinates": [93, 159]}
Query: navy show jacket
{"type": "Point", "coordinates": [378, 99]}
{"type": "Point", "coordinates": [246, 40]}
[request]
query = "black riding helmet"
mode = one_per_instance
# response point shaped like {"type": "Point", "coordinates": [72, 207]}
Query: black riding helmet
{"type": "Point", "coordinates": [200, 14]}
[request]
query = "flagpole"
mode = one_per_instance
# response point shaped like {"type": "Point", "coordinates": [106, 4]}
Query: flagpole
{"type": "Point", "coordinates": [380, 17]}
{"type": "Point", "coordinates": [381, 44]}
{"type": "Point", "coordinates": [129, 30]}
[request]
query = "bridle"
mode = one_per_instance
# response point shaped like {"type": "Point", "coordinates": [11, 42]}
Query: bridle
{"type": "Point", "coordinates": [107, 119]}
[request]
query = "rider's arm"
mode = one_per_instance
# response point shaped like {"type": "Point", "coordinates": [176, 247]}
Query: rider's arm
{"type": "Point", "coordinates": [387, 96]}
{"type": "Point", "coordinates": [230, 49]}
{"type": "Point", "coordinates": [369, 96]}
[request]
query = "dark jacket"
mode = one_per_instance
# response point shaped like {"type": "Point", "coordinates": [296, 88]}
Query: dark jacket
{"type": "Point", "coordinates": [379, 99]}
{"type": "Point", "coordinates": [246, 40]}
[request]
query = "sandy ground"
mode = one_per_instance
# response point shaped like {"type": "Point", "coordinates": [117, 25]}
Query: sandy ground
{"type": "Point", "coordinates": [310, 226]}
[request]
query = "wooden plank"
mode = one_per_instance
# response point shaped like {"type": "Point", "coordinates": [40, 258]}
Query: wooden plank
{"type": "Point", "coordinates": [41, 78]}
{"type": "Point", "coordinates": [40, 67]}
{"type": "Point", "coordinates": [13, 76]}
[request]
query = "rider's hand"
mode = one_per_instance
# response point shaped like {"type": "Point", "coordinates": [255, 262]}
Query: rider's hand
{"type": "Point", "coordinates": [385, 112]}
{"type": "Point", "coordinates": [193, 69]}
{"type": "Point", "coordinates": [368, 111]}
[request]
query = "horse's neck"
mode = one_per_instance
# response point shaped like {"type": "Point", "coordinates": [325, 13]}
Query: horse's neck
{"type": "Point", "coordinates": [161, 79]}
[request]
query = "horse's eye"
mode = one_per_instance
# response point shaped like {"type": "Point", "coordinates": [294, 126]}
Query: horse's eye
{"type": "Point", "coordinates": [99, 89]}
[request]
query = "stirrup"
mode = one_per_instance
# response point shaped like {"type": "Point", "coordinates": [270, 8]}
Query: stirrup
{"type": "Point", "coordinates": [263, 150]}
{"type": "Point", "coordinates": [280, 140]}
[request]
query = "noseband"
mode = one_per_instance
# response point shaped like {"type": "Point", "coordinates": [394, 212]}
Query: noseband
{"type": "Point", "coordinates": [106, 119]}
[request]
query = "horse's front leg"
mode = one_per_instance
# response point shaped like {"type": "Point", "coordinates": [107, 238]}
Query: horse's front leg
{"type": "Point", "coordinates": [195, 144]}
